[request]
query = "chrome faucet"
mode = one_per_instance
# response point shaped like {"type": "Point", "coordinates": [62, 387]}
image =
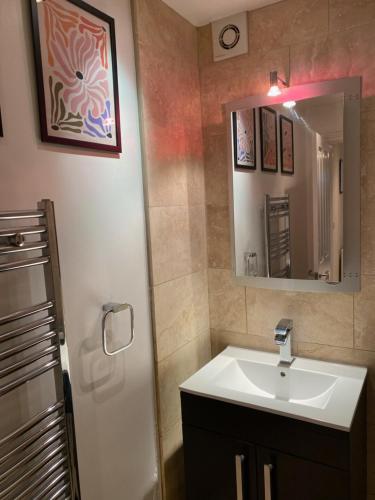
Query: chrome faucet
{"type": "Point", "coordinates": [283, 339]}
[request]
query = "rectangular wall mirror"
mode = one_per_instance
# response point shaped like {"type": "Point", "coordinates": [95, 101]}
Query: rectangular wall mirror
{"type": "Point", "coordinates": [294, 172]}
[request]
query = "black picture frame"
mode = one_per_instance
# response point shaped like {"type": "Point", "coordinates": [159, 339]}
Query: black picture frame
{"type": "Point", "coordinates": [264, 166]}
{"type": "Point", "coordinates": [45, 135]}
{"type": "Point", "coordinates": [238, 165]}
{"type": "Point", "coordinates": [284, 121]}
{"type": "Point", "coordinates": [1, 126]}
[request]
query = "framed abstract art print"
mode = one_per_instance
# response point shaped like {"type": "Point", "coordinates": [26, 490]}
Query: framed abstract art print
{"type": "Point", "coordinates": [286, 145]}
{"type": "Point", "coordinates": [268, 139]}
{"type": "Point", "coordinates": [244, 139]}
{"type": "Point", "coordinates": [76, 69]}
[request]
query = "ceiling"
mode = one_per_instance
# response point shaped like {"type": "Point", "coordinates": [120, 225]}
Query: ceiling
{"type": "Point", "coordinates": [200, 12]}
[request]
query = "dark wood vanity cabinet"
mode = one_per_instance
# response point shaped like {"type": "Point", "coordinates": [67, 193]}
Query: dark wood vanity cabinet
{"type": "Point", "coordinates": [291, 475]}
{"type": "Point", "coordinates": [237, 453]}
{"type": "Point", "coordinates": [211, 468]}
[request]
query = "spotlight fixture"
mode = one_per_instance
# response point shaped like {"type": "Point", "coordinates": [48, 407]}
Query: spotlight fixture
{"type": "Point", "coordinates": [289, 104]}
{"type": "Point", "coordinates": [274, 84]}
{"type": "Point", "coordinates": [274, 91]}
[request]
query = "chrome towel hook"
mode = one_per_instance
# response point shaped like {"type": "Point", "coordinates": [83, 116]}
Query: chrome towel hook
{"type": "Point", "coordinates": [114, 309]}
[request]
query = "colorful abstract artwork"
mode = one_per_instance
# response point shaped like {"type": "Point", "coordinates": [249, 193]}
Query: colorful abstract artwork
{"type": "Point", "coordinates": [244, 139]}
{"type": "Point", "coordinates": [75, 54]}
{"type": "Point", "coordinates": [286, 145]}
{"type": "Point", "coordinates": [268, 139]}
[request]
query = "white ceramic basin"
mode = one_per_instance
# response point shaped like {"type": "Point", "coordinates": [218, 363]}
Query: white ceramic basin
{"type": "Point", "coordinates": [268, 381]}
{"type": "Point", "coordinates": [311, 390]}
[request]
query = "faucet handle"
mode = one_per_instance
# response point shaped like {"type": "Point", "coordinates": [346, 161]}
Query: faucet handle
{"type": "Point", "coordinates": [284, 326]}
{"type": "Point", "coordinates": [282, 330]}
{"type": "Point", "coordinates": [282, 338]}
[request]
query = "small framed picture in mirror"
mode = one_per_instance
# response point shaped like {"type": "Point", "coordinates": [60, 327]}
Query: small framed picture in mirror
{"type": "Point", "coordinates": [286, 145]}
{"type": "Point", "coordinates": [244, 139]}
{"type": "Point", "coordinates": [268, 139]}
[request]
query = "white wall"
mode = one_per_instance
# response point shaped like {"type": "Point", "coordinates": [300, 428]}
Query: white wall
{"type": "Point", "coordinates": [101, 230]}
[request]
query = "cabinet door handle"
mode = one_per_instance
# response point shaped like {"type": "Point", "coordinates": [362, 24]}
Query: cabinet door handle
{"type": "Point", "coordinates": [239, 480]}
{"type": "Point", "coordinates": [267, 481]}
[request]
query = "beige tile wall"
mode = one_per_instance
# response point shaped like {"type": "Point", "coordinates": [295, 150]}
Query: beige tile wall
{"type": "Point", "coordinates": [321, 39]}
{"type": "Point", "coordinates": [167, 54]}
{"type": "Point", "coordinates": [181, 97]}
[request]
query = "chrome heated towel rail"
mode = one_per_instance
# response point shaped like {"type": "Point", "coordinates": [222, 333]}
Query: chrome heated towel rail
{"type": "Point", "coordinates": [38, 457]}
{"type": "Point", "coordinates": [277, 231]}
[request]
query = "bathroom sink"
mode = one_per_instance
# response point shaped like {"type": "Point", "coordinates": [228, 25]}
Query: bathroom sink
{"type": "Point", "coordinates": [298, 386]}
{"type": "Point", "coordinates": [310, 390]}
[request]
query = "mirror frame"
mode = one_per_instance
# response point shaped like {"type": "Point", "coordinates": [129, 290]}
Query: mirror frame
{"type": "Point", "coordinates": [351, 88]}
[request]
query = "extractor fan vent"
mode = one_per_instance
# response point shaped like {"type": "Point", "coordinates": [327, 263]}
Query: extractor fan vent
{"type": "Point", "coordinates": [229, 36]}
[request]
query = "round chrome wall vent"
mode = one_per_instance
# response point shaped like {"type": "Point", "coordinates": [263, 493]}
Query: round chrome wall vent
{"type": "Point", "coordinates": [229, 36]}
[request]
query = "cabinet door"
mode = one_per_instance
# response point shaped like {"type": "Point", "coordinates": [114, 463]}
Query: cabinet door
{"type": "Point", "coordinates": [285, 477]}
{"type": "Point", "coordinates": [217, 467]}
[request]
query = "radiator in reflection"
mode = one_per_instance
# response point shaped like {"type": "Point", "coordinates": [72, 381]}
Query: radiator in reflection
{"type": "Point", "coordinates": [277, 236]}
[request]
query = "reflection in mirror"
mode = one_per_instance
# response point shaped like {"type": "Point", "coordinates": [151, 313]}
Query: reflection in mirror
{"type": "Point", "coordinates": [288, 189]}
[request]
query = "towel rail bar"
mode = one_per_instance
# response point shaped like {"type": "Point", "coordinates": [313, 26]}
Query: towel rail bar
{"type": "Point", "coordinates": [28, 360]}
{"type": "Point", "coordinates": [32, 423]}
{"type": "Point", "coordinates": [4, 493]}
{"type": "Point", "coordinates": [59, 492]}
{"type": "Point", "coordinates": [31, 440]}
{"type": "Point", "coordinates": [4, 389]}
{"type": "Point", "coordinates": [33, 454]}
{"type": "Point", "coordinates": [53, 484]}
{"type": "Point", "coordinates": [27, 247]}
{"type": "Point", "coordinates": [22, 230]}
{"type": "Point", "coordinates": [21, 214]}
{"type": "Point", "coordinates": [29, 327]}
{"type": "Point", "coordinates": [8, 353]}
{"type": "Point", "coordinates": [38, 459]}
{"type": "Point", "coordinates": [24, 313]}
{"type": "Point", "coordinates": [21, 264]}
